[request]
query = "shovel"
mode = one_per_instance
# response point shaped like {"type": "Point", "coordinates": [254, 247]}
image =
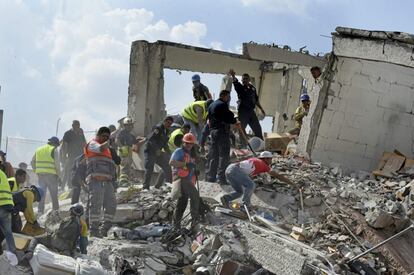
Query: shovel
{"type": "Point", "coordinates": [303, 215]}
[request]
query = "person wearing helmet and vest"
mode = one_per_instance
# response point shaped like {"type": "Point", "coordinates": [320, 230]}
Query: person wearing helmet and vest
{"type": "Point", "coordinates": [300, 113]}
{"type": "Point", "coordinates": [177, 135]}
{"type": "Point", "coordinates": [240, 174]}
{"type": "Point", "coordinates": [195, 114]}
{"type": "Point", "coordinates": [156, 151]}
{"type": "Point", "coordinates": [6, 208]}
{"type": "Point", "coordinates": [200, 91]}
{"type": "Point", "coordinates": [46, 165]}
{"type": "Point", "coordinates": [23, 202]}
{"type": "Point", "coordinates": [71, 230]}
{"type": "Point", "coordinates": [124, 141]}
{"type": "Point", "coordinates": [100, 174]}
{"type": "Point", "coordinates": [18, 180]}
{"type": "Point", "coordinates": [183, 164]}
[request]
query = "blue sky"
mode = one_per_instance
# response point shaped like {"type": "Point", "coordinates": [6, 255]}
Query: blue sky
{"type": "Point", "coordinates": [68, 59]}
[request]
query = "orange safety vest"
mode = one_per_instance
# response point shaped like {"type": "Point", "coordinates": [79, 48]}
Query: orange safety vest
{"type": "Point", "coordinates": [99, 166]}
{"type": "Point", "coordinates": [183, 172]}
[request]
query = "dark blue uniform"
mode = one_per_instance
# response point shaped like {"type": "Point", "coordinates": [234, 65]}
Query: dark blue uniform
{"type": "Point", "coordinates": [247, 102]}
{"type": "Point", "coordinates": [220, 118]}
{"type": "Point", "coordinates": [156, 141]}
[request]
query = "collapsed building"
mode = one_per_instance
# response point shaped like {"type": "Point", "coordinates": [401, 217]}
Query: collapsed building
{"type": "Point", "coordinates": [362, 109]}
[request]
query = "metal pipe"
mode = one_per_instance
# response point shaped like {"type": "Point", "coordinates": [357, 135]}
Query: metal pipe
{"type": "Point", "coordinates": [381, 243]}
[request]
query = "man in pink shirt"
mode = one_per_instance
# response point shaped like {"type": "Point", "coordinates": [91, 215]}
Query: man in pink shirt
{"type": "Point", "coordinates": [240, 174]}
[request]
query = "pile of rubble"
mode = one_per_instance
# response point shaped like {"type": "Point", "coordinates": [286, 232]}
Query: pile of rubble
{"type": "Point", "coordinates": [342, 216]}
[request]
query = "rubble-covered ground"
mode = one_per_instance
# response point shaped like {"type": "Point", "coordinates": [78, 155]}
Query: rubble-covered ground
{"type": "Point", "coordinates": [342, 217]}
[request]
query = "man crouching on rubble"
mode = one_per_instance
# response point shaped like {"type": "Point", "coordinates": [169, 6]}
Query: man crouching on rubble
{"type": "Point", "coordinates": [183, 163]}
{"type": "Point", "coordinates": [72, 230]}
{"type": "Point", "coordinates": [240, 174]}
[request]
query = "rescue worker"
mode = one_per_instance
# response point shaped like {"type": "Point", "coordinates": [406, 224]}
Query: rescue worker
{"type": "Point", "coordinates": [124, 141]}
{"type": "Point", "coordinates": [73, 142]}
{"type": "Point", "coordinates": [23, 202]}
{"type": "Point", "coordinates": [195, 114]}
{"type": "Point", "coordinates": [176, 137]}
{"type": "Point", "coordinates": [18, 180]}
{"type": "Point", "coordinates": [157, 151]}
{"type": "Point", "coordinates": [317, 76]}
{"type": "Point", "coordinates": [220, 119]}
{"type": "Point", "coordinates": [300, 113]}
{"type": "Point", "coordinates": [72, 230]}
{"type": "Point", "coordinates": [100, 174]}
{"type": "Point", "coordinates": [184, 163]}
{"type": "Point", "coordinates": [6, 208]}
{"type": "Point", "coordinates": [240, 174]}
{"type": "Point", "coordinates": [248, 100]}
{"type": "Point", "coordinates": [8, 168]}
{"type": "Point", "coordinates": [200, 91]}
{"type": "Point", "coordinates": [46, 165]}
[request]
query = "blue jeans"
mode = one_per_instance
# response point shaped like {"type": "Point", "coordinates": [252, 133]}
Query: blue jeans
{"type": "Point", "coordinates": [239, 180]}
{"type": "Point", "coordinates": [6, 228]}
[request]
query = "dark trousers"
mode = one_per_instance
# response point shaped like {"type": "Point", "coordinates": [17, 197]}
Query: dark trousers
{"type": "Point", "coordinates": [219, 155]}
{"type": "Point", "coordinates": [150, 159]}
{"type": "Point", "coordinates": [250, 118]}
{"type": "Point", "coordinates": [188, 191]}
{"type": "Point", "coordinates": [76, 190]}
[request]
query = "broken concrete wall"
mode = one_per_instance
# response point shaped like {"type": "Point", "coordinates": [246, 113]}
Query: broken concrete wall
{"type": "Point", "coordinates": [365, 106]}
{"type": "Point", "coordinates": [278, 83]}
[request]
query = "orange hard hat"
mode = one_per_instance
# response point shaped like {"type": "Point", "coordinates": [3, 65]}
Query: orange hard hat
{"type": "Point", "coordinates": [189, 138]}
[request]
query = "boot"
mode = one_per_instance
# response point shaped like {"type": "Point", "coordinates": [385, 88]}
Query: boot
{"type": "Point", "coordinates": [94, 231]}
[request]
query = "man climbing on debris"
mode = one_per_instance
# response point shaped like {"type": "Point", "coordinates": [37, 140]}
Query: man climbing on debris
{"type": "Point", "coordinates": [200, 91]}
{"type": "Point", "coordinates": [18, 180]}
{"type": "Point", "coordinates": [124, 141]}
{"type": "Point", "coordinates": [46, 165]}
{"type": "Point", "coordinates": [100, 174]}
{"type": "Point", "coordinates": [183, 163]}
{"type": "Point", "coordinates": [73, 142]}
{"type": "Point", "coordinates": [240, 174]}
{"type": "Point", "coordinates": [195, 114]}
{"type": "Point", "coordinates": [23, 202]}
{"type": "Point", "coordinates": [177, 135]}
{"type": "Point", "coordinates": [6, 208]}
{"type": "Point", "coordinates": [156, 151]}
{"type": "Point", "coordinates": [300, 113]}
{"type": "Point", "coordinates": [248, 100]}
{"type": "Point", "coordinates": [220, 119]}
{"type": "Point", "coordinates": [71, 230]}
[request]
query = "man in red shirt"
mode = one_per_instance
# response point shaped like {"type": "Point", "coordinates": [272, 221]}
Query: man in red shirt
{"type": "Point", "coordinates": [240, 174]}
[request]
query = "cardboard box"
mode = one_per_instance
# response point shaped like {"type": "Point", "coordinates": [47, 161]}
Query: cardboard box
{"type": "Point", "coordinates": [275, 142]}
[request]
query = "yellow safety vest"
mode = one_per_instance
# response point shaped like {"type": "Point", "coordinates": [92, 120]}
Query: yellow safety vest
{"type": "Point", "coordinates": [190, 114]}
{"type": "Point", "coordinates": [15, 187]}
{"type": "Point", "coordinates": [45, 164]}
{"type": "Point", "coordinates": [174, 134]}
{"type": "Point", "coordinates": [6, 196]}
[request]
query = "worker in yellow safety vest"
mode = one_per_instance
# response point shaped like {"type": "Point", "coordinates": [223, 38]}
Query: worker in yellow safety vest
{"type": "Point", "coordinates": [46, 165]}
{"type": "Point", "coordinates": [176, 137]}
{"type": "Point", "coordinates": [124, 140]}
{"type": "Point", "coordinates": [195, 114]}
{"type": "Point", "coordinates": [6, 208]}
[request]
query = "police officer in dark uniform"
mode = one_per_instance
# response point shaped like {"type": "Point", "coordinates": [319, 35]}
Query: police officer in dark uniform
{"type": "Point", "coordinates": [248, 100]}
{"type": "Point", "coordinates": [157, 151]}
{"type": "Point", "coordinates": [220, 118]}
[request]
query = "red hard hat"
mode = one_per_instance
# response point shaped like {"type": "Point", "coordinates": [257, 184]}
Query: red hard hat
{"type": "Point", "coordinates": [189, 138]}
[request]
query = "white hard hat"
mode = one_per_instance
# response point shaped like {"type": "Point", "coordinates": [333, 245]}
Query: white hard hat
{"type": "Point", "coordinates": [265, 155]}
{"type": "Point", "coordinates": [127, 120]}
